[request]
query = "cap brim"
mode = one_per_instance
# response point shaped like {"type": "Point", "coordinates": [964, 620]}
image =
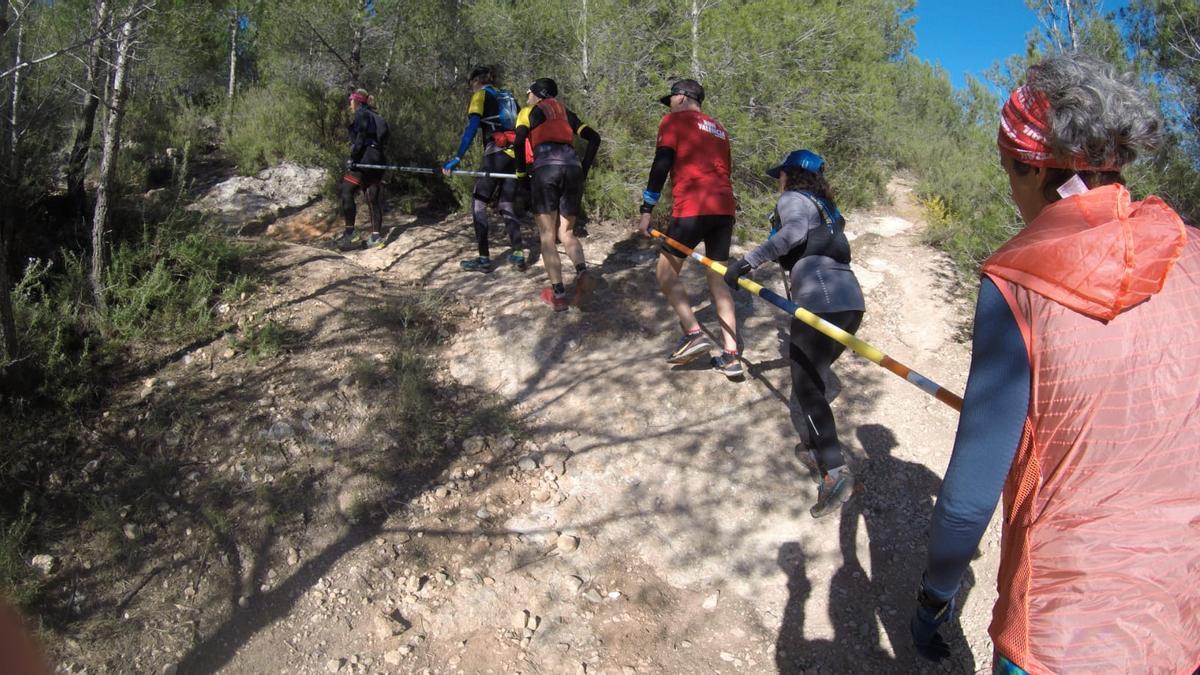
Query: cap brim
{"type": "Point", "coordinates": [774, 173]}
{"type": "Point", "coordinates": [666, 100]}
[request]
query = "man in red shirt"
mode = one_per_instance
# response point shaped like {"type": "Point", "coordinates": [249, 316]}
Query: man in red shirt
{"type": "Point", "coordinates": [693, 149]}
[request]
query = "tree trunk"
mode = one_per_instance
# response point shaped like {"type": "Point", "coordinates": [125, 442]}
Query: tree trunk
{"type": "Point", "coordinates": [387, 66]}
{"type": "Point", "coordinates": [108, 159]}
{"type": "Point", "coordinates": [583, 60]}
{"type": "Point", "coordinates": [356, 44]}
{"type": "Point", "coordinates": [1071, 25]}
{"type": "Point", "coordinates": [696, 38]}
{"type": "Point", "coordinates": [13, 133]}
{"type": "Point", "coordinates": [233, 44]}
{"type": "Point", "coordinates": [8, 331]}
{"type": "Point", "coordinates": [77, 163]}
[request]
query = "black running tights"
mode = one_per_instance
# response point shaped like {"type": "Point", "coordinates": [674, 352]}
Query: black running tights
{"type": "Point", "coordinates": [812, 354]}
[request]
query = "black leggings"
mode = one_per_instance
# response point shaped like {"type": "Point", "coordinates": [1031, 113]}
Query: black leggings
{"type": "Point", "coordinates": [374, 204]}
{"type": "Point", "coordinates": [812, 354]}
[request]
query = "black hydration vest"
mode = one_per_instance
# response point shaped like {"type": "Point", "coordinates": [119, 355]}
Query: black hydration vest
{"type": "Point", "coordinates": [829, 241]}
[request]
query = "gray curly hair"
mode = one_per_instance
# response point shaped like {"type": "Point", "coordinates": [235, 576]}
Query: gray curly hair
{"type": "Point", "coordinates": [1096, 112]}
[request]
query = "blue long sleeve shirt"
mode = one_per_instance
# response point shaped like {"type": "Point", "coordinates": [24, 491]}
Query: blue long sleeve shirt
{"type": "Point", "coordinates": [995, 406]}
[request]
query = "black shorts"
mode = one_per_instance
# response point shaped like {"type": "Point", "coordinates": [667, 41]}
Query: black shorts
{"type": "Point", "coordinates": [365, 178]}
{"type": "Point", "coordinates": [486, 188]}
{"type": "Point", "coordinates": [715, 231]}
{"type": "Point", "coordinates": [557, 188]}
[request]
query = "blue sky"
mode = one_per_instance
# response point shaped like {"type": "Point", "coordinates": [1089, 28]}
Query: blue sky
{"type": "Point", "coordinates": [967, 36]}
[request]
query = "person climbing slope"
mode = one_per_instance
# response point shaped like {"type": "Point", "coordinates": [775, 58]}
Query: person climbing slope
{"type": "Point", "coordinates": [811, 245]}
{"type": "Point", "coordinates": [548, 129]}
{"type": "Point", "coordinates": [368, 137]}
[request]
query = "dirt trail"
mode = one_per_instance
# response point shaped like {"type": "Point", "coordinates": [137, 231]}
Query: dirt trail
{"type": "Point", "coordinates": [654, 520]}
{"type": "Point", "coordinates": [696, 551]}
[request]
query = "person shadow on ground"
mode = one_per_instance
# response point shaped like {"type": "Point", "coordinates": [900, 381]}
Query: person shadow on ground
{"type": "Point", "coordinates": [865, 607]}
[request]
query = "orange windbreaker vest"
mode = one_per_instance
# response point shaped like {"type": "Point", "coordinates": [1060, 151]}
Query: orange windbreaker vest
{"type": "Point", "coordinates": [1100, 558]}
{"type": "Point", "coordinates": [556, 128]}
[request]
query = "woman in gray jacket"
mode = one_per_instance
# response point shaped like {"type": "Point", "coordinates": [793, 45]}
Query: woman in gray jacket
{"type": "Point", "coordinates": [809, 241]}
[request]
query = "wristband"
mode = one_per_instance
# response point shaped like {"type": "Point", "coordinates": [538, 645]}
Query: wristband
{"type": "Point", "coordinates": [651, 198]}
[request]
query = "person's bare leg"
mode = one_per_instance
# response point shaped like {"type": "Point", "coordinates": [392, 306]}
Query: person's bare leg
{"type": "Point", "coordinates": [668, 280]}
{"type": "Point", "coordinates": [550, 259]}
{"type": "Point", "coordinates": [571, 243]}
{"type": "Point", "coordinates": [726, 312]}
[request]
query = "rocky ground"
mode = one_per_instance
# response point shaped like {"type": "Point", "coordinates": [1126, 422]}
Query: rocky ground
{"type": "Point", "coordinates": [583, 508]}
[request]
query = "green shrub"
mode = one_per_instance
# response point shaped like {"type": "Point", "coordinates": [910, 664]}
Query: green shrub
{"type": "Point", "coordinates": [17, 582]}
{"type": "Point", "coordinates": [281, 121]}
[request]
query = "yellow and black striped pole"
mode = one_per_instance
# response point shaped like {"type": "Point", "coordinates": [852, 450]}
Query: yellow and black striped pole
{"type": "Point", "coordinates": [860, 347]}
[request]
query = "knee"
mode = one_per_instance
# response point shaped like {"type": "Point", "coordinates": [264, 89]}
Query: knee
{"type": "Point", "coordinates": [347, 198]}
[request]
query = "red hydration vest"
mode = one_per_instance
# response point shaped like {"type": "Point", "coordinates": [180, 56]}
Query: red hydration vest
{"type": "Point", "coordinates": [1101, 539]}
{"type": "Point", "coordinates": [556, 128]}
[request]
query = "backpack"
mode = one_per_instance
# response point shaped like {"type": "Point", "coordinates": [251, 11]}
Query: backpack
{"type": "Point", "coordinates": [380, 127]}
{"type": "Point", "coordinates": [506, 110]}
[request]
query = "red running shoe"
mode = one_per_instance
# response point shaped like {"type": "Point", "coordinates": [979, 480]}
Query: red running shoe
{"type": "Point", "coordinates": [558, 302]}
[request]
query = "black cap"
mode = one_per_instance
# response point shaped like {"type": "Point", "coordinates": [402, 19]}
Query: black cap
{"type": "Point", "coordinates": [544, 87]}
{"type": "Point", "coordinates": [689, 88]}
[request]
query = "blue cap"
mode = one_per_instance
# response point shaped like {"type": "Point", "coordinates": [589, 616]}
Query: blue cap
{"type": "Point", "coordinates": [799, 159]}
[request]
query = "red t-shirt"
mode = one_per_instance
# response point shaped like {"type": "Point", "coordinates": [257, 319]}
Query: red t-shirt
{"type": "Point", "coordinates": [700, 184]}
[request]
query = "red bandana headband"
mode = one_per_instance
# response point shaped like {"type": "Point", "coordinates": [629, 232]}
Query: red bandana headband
{"type": "Point", "coordinates": [1024, 128]}
{"type": "Point", "coordinates": [361, 98]}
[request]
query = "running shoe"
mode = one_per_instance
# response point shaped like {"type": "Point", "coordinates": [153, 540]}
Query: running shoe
{"type": "Point", "coordinates": [518, 258]}
{"type": "Point", "coordinates": [835, 489]}
{"type": "Point", "coordinates": [376, 240]}
{"type": "Point", "coordinates": [347, 241]}
{"type": "Point", "coordinates": [728, 364]}
{"type": "Point", "coordinates": [477, 265]}
{"type": "Point", "coordinates": [558, 302]}
{"type": "Point", "coordinates": [689, 348]}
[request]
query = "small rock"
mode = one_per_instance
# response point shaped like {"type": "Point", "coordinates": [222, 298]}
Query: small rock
{"type": "Point", "coordinates": [44, 563]}
{"type": "Point", "coordinates": [520, 619]}
{"type": "Point", "coordinates": [333, 665]}
{"type": "Point", "coordinates": [540, 495]}
{"type": "Point", "coordinates": [710, 603]}
{"type": "Point", "coordinates": [170, 669]}
{"type": "Point", "coordinates": [483, 513]}
{"type": "Point", "coordinates": [228, 353]}
{"type": "Point", "coordinates": [614, 595]}
{"type": "Point", "coordinates": [280, 431]}
{"type": "Point", "coordinates": [592, 595]}
{"type": "Point", "coordinates": [727, 657]}
{"type": "Point", "coordinates": [293, 556]}
{"type": "Point", "coordinates": [132, 531]}
{"type": "Point", "coordinates": [91, 466]}
{"type": "Point", "coordinates": [574, 583]}
{"type": "Point", "coordinates": [405, 650]}
{"type": "Point", "coordinates": [527, 463]}
{"type": "Point", "coordinates": [244, 602]}
{"type": "Point", "coordinates": [532, 623]}
{"type": "Point", "coordinates": [441, 492]}
{"type": "Point", "coordinates": [393, 657]}
{"type": "Point", "coordinates": [468, 573]}
{"type": "Point", "coordinates": [567, 543]}
{"type": "Point", "coordinates": [474, 445]}
{"type": "Point", "coordinates": [506, 443]}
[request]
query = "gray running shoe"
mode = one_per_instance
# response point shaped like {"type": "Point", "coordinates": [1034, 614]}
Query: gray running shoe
{"type": "Point", "coordinates": [728, 364]}
{"type": "Point", "coordinates": [347, 241]}
{"type": "Point", "coordinates": [835, 489]}
{"type": "Point", "coordinates": [690, 347]}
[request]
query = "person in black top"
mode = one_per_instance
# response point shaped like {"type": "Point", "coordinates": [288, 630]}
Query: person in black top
{"type": "Point", "coordinates": [368, 133]}
{"type": "Point", "coordinates": [545, 137]}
